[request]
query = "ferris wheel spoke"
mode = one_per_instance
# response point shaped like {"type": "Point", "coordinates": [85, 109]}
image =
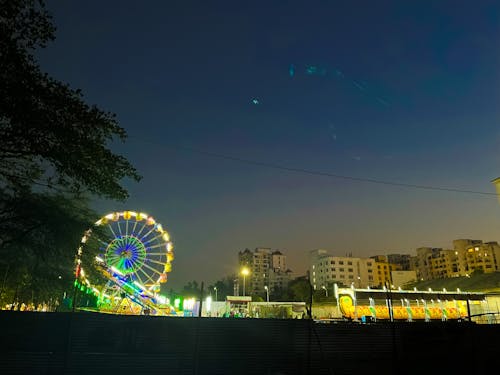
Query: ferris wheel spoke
{"type": "Point", "coordinates": [126, 227]}
{"type": "Point", "coordinates": [161, 244]}
{"type": "Point", "coordinates": [158, 254]}
{"type": "Point", "coordinates": [129, 241]}
{"type": "Point", "coordinates": [152, 239]}
{"type": "Point", "coordinates": [114, 260]}
{"type": "Point", "coordinates": [103, 242]}
{"type": "Point", "coordinates": [148, 278]}
{"type": "Point", "coordinates": [151, 268]}
{"type": "Point", "coordinates": [113, 256]}
{"type": "Point", "coordinates": [112, 231]}
{"type": "Point", "coordinates": [119, 228]}
{"type": "Point", "coordinates": [147, 234]}
{"type": "Point", "coordinates": [142, 228]}
{"type": "Point", "coordinates": [136, 244]}
{"type": "Point", "coordinates": [122, 264]}
{"type": "Point", "coordinates": [139, 277]}
{"type": "Point", "coordinates": [156, 262]}
{"type": "Point", "coordinates": [134, 265]}
{"type": "Point", "coordinates": [135, 225]}
{"type": "Point", "coordinates": [127, 264]}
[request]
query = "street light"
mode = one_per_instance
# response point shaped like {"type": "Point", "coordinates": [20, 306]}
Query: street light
{"type": "Point", "coordinates": [267, 292]}
{"type": "Point", "coordinates": [244, 272]}
{"type": "Point", "coordinates": [215, 289]}
{"type": "Point", "coordinates": [496, 182]}
{"type": "Point", "coordinates": [326, 290]}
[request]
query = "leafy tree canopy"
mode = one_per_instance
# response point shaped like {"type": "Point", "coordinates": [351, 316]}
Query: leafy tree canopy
{"type": "Point", "coordinates": [38, 250]}
{"type": "Point", "coordinates": [54, 156]}
{"type": "Point", "coordinates": [224, 286]}
{"type": "Point", "coordinates": [51, 138]}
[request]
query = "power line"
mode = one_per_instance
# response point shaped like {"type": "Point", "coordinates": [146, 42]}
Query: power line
{"type": "Point", "coordinates": [333, 175]}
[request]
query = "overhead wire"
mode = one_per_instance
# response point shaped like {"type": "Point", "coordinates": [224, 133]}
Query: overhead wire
{"type": "Point", "coordinates": [333, 175]}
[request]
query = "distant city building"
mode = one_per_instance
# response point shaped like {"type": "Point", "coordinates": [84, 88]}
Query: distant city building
{"type": "Point", "coordinates": [326, 269]}
{"type": "Point", "coordinates": [402, 261]}
{"type": "Point", "coordinates": [466, 257]}
{"type": "Point", "coordinates": [383, 270]}
{"type": "Point", "coordinates": [267, 268]}
{"type": "Point", "coordinates": [433, 262]}
{"type": "Point", "coordinates": [475, 255]}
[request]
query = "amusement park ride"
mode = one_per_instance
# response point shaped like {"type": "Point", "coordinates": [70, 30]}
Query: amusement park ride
{"type": "Point", "coordinates": [128, 255]}
{"type": "Point", "coordinates": [131, 254]}
{"type": "Point", "coordinates": [416, 305]}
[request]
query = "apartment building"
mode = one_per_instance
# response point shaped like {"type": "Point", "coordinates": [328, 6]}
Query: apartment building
{"type": "Point", "coordinates": [326, 269]}
{"type": "Point", "coordinates": [475, 255]}
{"type": "Point", "coordinates": [466, 257]}
{"type": "Point", "coordinates": [266, 268]}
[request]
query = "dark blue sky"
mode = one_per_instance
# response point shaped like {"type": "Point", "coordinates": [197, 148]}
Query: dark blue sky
{"type": "Point", "coordinates": [399, 91]}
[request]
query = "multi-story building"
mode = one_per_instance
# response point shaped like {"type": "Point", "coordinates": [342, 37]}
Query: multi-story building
{"type": "Point", "coordinates": [326, 269]}
{"type": "Point", "coordinates": [423, 261]}
{"type": "Point", "coordinates": [466, 257]}
{"type": "Point", "coordinates": [475, 255]}
{"type": "Point", "coordinates": [266, 268]}
{"type": "Point", "coordinates": [383, 271]}
{"type": "Point", "coordinates": [401, 260]}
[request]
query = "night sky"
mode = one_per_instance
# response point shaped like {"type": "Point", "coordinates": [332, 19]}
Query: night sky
{"type": "Point", "coordinates": [403, 92]}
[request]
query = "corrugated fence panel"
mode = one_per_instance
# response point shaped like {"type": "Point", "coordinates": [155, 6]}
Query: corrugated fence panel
{"type": "Point", "coordinates": [86, 343]}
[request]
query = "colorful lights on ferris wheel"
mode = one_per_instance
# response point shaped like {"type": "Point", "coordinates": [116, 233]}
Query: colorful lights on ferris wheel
{"type": "Point", "coordinates": [135, 252]}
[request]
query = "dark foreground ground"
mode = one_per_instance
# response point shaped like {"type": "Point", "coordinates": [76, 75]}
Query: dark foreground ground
{"type": "Point", "coordinates": [87, 343]}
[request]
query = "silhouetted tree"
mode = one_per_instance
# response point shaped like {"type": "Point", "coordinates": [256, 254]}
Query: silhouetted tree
{"type": "Point", "coordinates": [51, 138]}
{"type": "Point", "coordinates": [299, 289]}
{"type": "Point", "coordinates": [225, 287]}
{"type": "Point", "coordinates": [54, 155]}
{"type": "Point", "coordinates": [191, 289]}
{"type": "Point", "coordinates": [36, 258]}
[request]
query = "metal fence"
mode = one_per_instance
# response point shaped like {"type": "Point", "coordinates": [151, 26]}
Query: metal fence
{"type": "Point", "coordinates": [91, 343]}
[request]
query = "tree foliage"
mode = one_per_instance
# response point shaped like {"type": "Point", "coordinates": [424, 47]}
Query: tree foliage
{"type": "Point", "coordinates": [191, 289]}
{"type": "Point", "coordinates": [54, 156]}
{"type": "Point", "coordinates": [225, 287]}
{"type": "Point", "coordinates": [37, 260]}
{"type": "Point", "coordinates": [51, 137]}
{"type": "Point", "coordinates": [300, 289]}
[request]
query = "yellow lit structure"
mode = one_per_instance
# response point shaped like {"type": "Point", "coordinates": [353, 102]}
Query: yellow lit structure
{"type": "Point", "coordinates": [405, 305]}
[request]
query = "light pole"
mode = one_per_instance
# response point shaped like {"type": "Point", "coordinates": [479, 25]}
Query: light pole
{"type": "Point", "coordinates": [244, 272]}
{"type": "Point", "coordinates": [326, 290]}
{"type": "Point", "coordinates": [267, 293]}
{"type": "Point", "coordinates": [496, 182]}
{"type": "Point", "coordinates": [215, 289]}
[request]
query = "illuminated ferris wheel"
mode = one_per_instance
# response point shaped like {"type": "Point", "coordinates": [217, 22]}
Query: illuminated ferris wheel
{"type": "Point", "coordinates": [132, 247]}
